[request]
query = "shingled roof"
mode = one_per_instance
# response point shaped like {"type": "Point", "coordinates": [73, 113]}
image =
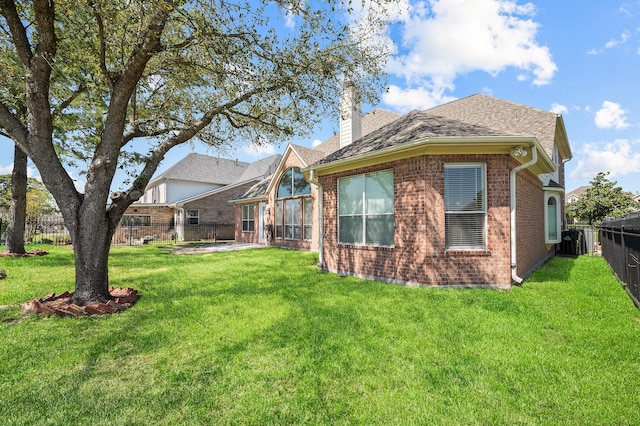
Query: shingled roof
{"type": "Point", "coordinates": [203, 168]}
{"type": "Point", "coordinates": [414, 126]}
{"type": "Point", "coordinates": [508, 116]}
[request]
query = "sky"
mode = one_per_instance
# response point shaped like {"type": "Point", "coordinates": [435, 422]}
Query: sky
{"type": "Point", "coordinates": [580, 59]}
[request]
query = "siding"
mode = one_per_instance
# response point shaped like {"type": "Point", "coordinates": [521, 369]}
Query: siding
{"type": "Point", "coordinates": [419, 255]}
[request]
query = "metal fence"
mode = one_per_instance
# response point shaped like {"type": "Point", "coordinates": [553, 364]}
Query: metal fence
{"type": "Point", "coordinates": [620, 239]}
{"type": "Point", "coordinates": [578, 240]}
{"type": "Point", "coordinates": [51, 230]}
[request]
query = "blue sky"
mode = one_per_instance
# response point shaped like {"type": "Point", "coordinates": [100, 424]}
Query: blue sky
{"type": "Point", "coordinates": [577, 58]}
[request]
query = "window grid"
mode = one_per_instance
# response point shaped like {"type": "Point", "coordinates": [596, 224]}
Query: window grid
{"type": "Point", "coordinates": [248, 218]}
{"type": "Point", "coordinates": [193, 217]}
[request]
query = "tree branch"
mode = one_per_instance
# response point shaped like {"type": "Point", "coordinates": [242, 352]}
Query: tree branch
{"type": "Point", "coordinates": [81, 89]}
{"type": "Point", "coordinates": [13, 128]}
{"type": "Point", "coordinates": [18, 32]}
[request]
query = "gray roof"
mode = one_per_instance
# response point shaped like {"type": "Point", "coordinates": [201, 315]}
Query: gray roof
{"type": "Point", "coordinates": [413, 126]}
{"type": "Point", "coordinates": [307, 155]}
{"type": "Point", "coordinates": [203, 168]}
{"type": "Point", "coordinates": [256, 191]}
{"type": "Point", "coordinates": [370, 122]}
{"type": "Point", "coordinates": [261, 168]}
{"type": "Point", "coordinates": [503, 115]}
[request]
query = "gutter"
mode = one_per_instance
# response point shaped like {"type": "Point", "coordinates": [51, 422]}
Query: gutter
{"type": "Point", "coordinates": [512, 199]}
{"type": "Point", "coordinates": [313, 180]}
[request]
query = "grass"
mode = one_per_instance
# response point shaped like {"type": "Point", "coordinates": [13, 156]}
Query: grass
{"type": "Point", "coordinates": [263, 337]}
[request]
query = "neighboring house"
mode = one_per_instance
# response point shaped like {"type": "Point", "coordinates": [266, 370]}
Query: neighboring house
{"type": "Point", "coordinates": [196, 191]}
{"type": "Point", "coordinates": [573, 196]}
{"type": "Point", "coordinates": [469, 193]}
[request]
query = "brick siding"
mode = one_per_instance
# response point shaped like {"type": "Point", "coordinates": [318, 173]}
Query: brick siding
{"type": "Point", "coordinates": [419, 255]}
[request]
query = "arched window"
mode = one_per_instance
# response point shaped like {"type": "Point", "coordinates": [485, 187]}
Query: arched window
{"type": "Point", "coordinates": [552, 218]}
{"type": "Point", "coordinates": [293, 184]}
{"type": "Point", "coordinates": [293, 206]}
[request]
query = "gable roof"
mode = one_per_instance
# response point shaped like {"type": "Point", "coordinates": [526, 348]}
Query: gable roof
{"type": "Point", "coordinates": [204, 168]}
{"type": "Point", "coordinates": [372, 121]}
{"type": "Point", "coordinates": [415, 126]}
{"type": "Point", "coordinates": [500, 114]}
{"type": "Point", "coordinates": [261, 168]}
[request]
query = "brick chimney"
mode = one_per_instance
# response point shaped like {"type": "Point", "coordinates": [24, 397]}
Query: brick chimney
{"type": "Point", "coordinates": [350, 116]}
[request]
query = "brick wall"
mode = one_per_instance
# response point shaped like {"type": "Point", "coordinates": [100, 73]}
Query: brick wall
{"type": "Point", "coordinates": [159, 213]}
{"type": "Point", "coordinates": [530, 241]}
{"type": "Point", "coordinates": [419, 254]}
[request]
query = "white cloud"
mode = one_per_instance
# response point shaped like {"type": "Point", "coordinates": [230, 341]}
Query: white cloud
{"type": "Point", "coordinates": [442, 39]}
{"type": "Point", "coordinates": [614, 42]}
{"type": "Point", "coordinates": [6, 170]}
{"type": "Point", "coordinates": [405, 100]}
{"type": "Point", "coordinates": [611, 43]}
{"type": "Point", "coordinates": [619, 157]}
{"type": "Point", "coordinates": [316, 142]}
{"type": "Point", "coordinates": [257, 151]}
{"type": "Point", "coordinates": [611, 115]}
{"type": "Point", "coordinates": [559, 109]}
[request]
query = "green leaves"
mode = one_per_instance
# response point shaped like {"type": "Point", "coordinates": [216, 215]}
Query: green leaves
{"type": "Point", "coordinates": [603, 199]}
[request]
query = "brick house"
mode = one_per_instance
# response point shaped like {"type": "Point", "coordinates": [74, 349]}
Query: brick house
{"type": "Point", "coordinates": [282, 210]}
{"type": "Point", "coordinates": [191, 198]}
{"type": "Point", "coordinates": [469, 193]}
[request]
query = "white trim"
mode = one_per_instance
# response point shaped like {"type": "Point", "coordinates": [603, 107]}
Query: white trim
{"type": "Point", "coordinates": [555, 196]}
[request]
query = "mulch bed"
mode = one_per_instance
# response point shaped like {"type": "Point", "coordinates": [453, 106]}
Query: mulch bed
{"type": "Point", "coordinates": [123, 298]}
{"type": "Point", "coordinates": [37, 252]}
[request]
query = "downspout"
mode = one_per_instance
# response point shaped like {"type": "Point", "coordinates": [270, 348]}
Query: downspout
{"type": "Point", "coordinates": [512, 198]}
{"type": "Point", "coordinates": [312, 179]}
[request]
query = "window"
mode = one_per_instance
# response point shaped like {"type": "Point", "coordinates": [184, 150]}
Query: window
{"type": "Point", "coordinates": [293, 184]}
{"type": "Point", "coordinates": [292, 219]}
{"type": "Point", "coordinates": [465, 206]}
{"type": "Point", "coordinates": [307, 218]}
{"type": "Point", "coordinates": [193, 217]}
{"type": "Point", "coordinates": [552, 218]}
{"type": "Point", "coordinates": [365, 209]}
{"type": "Point", "coordinates": [278, 219]}
{"type": "Point", "coordinates": [135, 220]}
{"type": "Point", "coordinates": [291, 222]}
{"type": "Point", "coordinates": [248, 218]}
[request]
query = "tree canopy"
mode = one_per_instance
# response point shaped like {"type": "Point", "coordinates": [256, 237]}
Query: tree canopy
{"type": "Point", "coordinates": [603, 199]}
{"type": "Point", "coordinates": [39, 200]}
{"type": "Point", "coordinates": [107, 84]}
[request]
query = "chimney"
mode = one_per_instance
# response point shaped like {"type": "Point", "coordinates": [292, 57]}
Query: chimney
{"type": "Point", "coordinates": [350, 115]}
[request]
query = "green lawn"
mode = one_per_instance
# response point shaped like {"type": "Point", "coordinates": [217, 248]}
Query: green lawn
{"type": "Point", "coordinates": [262, 337]}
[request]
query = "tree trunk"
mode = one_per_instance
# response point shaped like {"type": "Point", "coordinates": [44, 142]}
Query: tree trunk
{"type": "Point", "coordinates": [91, 245]}
{"type": "Point", "coordinates": [18, 207]}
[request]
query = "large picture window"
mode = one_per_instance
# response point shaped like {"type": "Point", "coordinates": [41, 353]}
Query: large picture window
{"type": "Point", "coordinates": [465, 206]}
{"type": "Point", "coordinates": [248, 218]}
{"type": "Point", "coordinates": [365, 209]}
{"type": "Point", "coordinates": [291, 222]}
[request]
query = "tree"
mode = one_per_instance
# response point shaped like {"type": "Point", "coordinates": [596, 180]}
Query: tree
{"type": "Point", "coordinates": [603, 199]}
{"type": "Point", "coordinates": [129, 80]}
{"type": "Point", "coordinates": [39, 201]}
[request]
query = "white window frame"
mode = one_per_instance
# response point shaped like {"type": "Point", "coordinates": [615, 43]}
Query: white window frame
{"type": "Point", "coordinates": [547, 219]}
{"type": "Point", "coordinates": [364, 214]}
{"type": "Point", "coordinates": [192, 214]}
{"type": "Point", "coordinates": [483, 211]}
{"type": "Point", "coordinates": [248, 218]}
